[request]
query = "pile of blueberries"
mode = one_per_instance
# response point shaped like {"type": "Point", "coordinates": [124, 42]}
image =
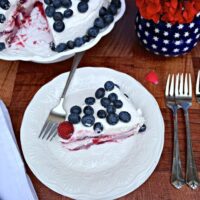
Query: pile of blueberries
{"type": "Point", "coordinates": [106, 17]}
{"type": "Point", "coordinates": [110, 105]}
{"type": "Point", "coordinates": [5, 5]}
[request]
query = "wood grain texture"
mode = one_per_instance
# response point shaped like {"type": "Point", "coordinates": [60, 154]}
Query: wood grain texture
{"type": "Point", "coordinates": [120, 50]}
{"type": "Point", "coordinates": [8, 72]}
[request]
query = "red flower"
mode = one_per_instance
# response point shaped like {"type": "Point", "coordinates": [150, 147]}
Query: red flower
{"type": "Point", "coordinates": [189, 11]}
{"type": "Point", "coordinates": [181, 11]}
{"type": "Point", "coordinates": [150, 9]}
{"type": "Point", "coordinates": [197, 5]}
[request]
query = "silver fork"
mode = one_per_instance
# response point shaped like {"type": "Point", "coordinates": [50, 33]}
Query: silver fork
{"type": "Point", "coordinates": [183, 96]}
{"type": "Point", "coordinates": [177, 179]}
{"type": "Point", "coordinates": [198, 87]}
{"type": "Point", "coordinates": [58, 113]}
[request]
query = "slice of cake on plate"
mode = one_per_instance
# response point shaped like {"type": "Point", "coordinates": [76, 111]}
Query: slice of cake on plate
{"type": "Point", "coordinates": [108, 116]}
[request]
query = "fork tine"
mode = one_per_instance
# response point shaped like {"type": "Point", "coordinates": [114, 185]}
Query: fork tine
{"type": "Point", "coordinates": [171, 90]}
{"type": "Point", "coordinates": [186, 85]}
{"type": "Point", "coordinates": [198, 83]}
{"type": "Point", "coordinates": [167, 86]}
{"type": "Point", "coordinates": [181, 86]}
{"type": "Point", "coordinates": [190, 85]}
{"type": "Point", "coordinates": [43, 128]}
{"type": "Point", "coordinates": [177, 85]}
{"type": "Point", "coordinates": [54, 135]}
{"type": "Point", "coordinates": [52, 131]}
{"type": "Point", "coordinates": [46, 131]}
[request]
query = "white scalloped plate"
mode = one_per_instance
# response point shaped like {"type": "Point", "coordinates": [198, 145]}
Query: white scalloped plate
{"type": "Point", "coordinates": [105, 171]}
{"type": "Point", "coordinates": [57, 57]}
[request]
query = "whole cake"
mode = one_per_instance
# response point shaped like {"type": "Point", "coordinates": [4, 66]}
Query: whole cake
{"type": "Point", "coordinates": [108, 116]}
{"type": "Point", "coordinates": [70, 23]}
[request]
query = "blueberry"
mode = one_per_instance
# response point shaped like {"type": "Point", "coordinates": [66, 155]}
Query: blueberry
{"type": "Point", "coordinates": [66, 3]}
{"type": "Point", "coordinates": [88, 120]}
{"type": "Point", "coordinates": [70, 44]}
{"type": "Point", "coordinates": [2, 46]}
{"type": "Point", "coordinates": [86, 38]}
{"type": "Point", "coordinates": [58, 16]}
{"type": "Point", "coordinates": [99, 23]}
{"type": "Point", "coordinates": [48, 2]}
{"type": "Point", "coordinates": [98, 127]}
{"type": "Point", "coordinates": [112, 9]}
{"type": "Point", "coordinates": [124, 116]}
{"type": "Point", "coordinates": [5, 4]}
{"type": "Point", "coordinates": [78, 42]}
{"type": "Point", "coordinates": [105, 102]}
{"type": "Point", "coordinates": [118, 104]}
{"type": "Point", "coordinates": [76, 110]}
{"type": "Point", "coordinates": [103, 11]}
{"type": "Point", "coordinates": [111, 109]}
{"type": "Point", "coordinates": [117, 3]}
{"type": "Point", "coordinates": [68, 13]}
{"type": "Point", "coordinates": [109, 85]}
{"type": "Point", "coordinates": [86, 1]}
{"type": "Point", "coordinates": [61, 47]}
{"type": "Point", "coordinates": [112, 118]}
{"type": "Point", "coordinates": [74, 118]}
{"type": "Point", "coordinates": [82, 7]}
{"type": "Point", "coordinates": [90, 100]}
{"type": "Point", "coordinates": [101, 114]}
{"type": "Point", "coordinates": [112, 97]}
{"type": "Point", "coordinates": [143, 128]}
{"type": "Point", "coordinates": [93, 32]}
{"type": "Point", "coordinates": [2, 18]}
{"type": "Point", "coordinates": [49, 11]}
{"type": "Point", "coordinates": [59, 26]}
{"type": "Point", "coordinates": [100, 93]}
{"type": "Point", "coordinates": [108, 18]}
{"type": "Point", "coordinates": [56, 3]}
{"type": "Point", "coordinates": [88, 110]}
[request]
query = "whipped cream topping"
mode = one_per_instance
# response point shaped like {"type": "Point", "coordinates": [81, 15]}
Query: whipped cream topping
{"type": "Point", "coordinates": [34, 35]}
{"type": "Point", "coordinates": [79, 23]}
{"type": "Point", "coordinates": [15, 16]}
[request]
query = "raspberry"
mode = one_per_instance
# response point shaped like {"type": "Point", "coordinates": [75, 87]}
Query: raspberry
{"type": "Point", "coordinates": [65, 130]}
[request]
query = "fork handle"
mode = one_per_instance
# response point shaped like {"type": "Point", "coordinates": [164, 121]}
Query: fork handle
{"type": "Point", "coordinates": [76, 61]}
{"type": "Point", "coordinates": [192, 178]}
{"type": "Point", "coordinates": [177, 179]}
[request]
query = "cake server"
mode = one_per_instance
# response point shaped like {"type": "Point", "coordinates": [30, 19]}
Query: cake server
{"type": "Point", "coordinates": [58, 113]}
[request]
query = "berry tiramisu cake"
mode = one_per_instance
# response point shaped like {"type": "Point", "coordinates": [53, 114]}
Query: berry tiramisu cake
{"type": "Point", "coordinates": [71, 23]}
{"type": "Point", "coordinates": [106, 116]}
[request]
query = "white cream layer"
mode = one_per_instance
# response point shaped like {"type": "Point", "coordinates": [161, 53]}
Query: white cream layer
{"type": "Point", "coordinates": [8, 29]}
{"type": "Point", "coordinates": [79, 23]}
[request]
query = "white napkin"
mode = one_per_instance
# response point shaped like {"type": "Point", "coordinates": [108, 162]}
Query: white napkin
{"type": "Point", "coordinates": [15, 184]}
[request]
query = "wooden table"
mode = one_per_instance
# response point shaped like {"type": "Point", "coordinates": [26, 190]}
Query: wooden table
{"type": "Point", "coordinates": [120, 50]}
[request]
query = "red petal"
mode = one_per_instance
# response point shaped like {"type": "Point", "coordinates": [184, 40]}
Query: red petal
{"type": "Point", "coordinates": [152, 77]}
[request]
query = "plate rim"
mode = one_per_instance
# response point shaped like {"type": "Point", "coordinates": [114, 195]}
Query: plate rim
{"type": "Point", "coordinates": [69, 53]}
{"type": "Point", "coordinates": [129, 188]}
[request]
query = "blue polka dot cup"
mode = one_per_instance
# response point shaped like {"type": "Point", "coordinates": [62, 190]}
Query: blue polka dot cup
{"type": "Point", "coordinates": [168, 39]}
